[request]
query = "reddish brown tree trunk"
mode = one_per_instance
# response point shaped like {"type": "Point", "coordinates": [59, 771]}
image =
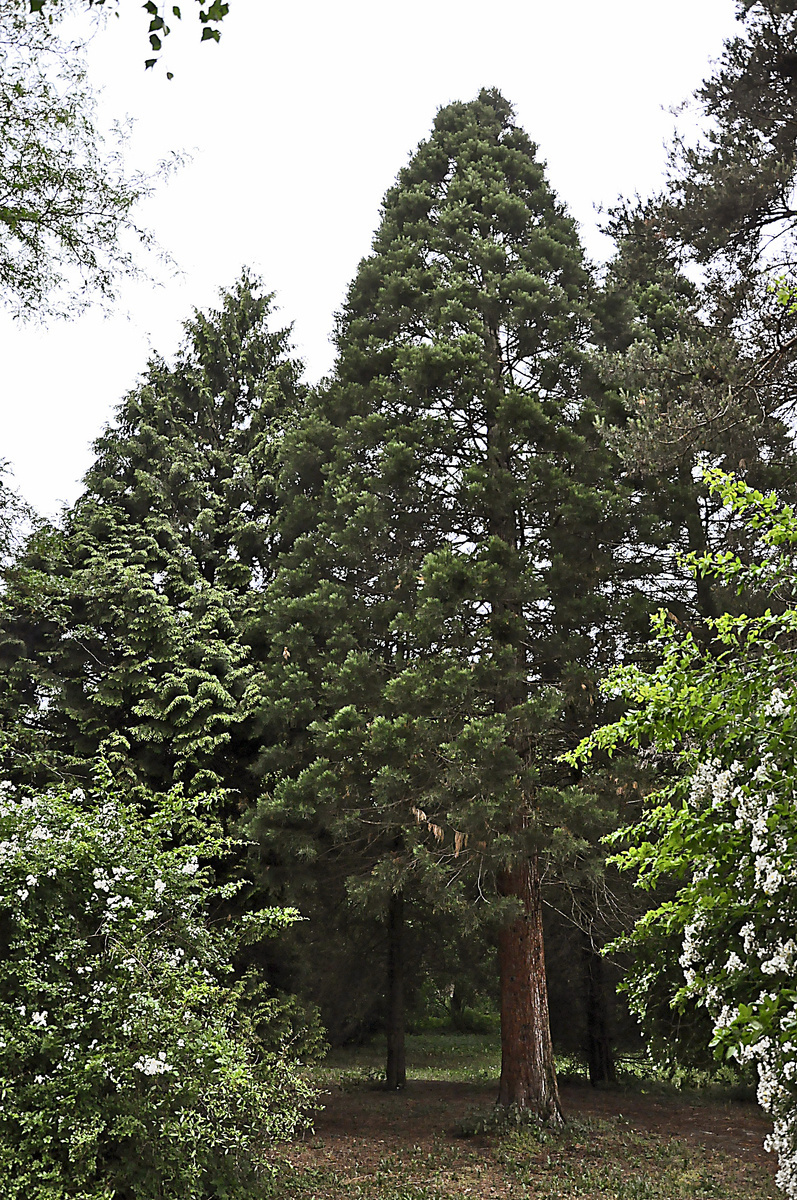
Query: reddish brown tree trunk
{"type": "Point", "coordinates": [528, 1075]}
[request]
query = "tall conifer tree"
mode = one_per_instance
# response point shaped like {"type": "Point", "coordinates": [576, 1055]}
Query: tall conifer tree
{"type": "Point", "coordinates": [441, 617]}
{"type": "Point", "coordinates": [132, 618]}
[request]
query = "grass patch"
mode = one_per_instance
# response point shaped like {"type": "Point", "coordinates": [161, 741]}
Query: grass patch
{"type": "Point", "coordinates": [604, 1160]}
{"type": "Point", "coordinates": [449, 1057]}
{"type": "Point", "coordinates": [591, 1160]}
{"type": "Point", "coordinates": [476, 1058]}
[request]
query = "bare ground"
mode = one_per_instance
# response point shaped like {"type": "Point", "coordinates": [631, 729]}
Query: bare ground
{"type": "Point", "coordinates": [371, 1143]}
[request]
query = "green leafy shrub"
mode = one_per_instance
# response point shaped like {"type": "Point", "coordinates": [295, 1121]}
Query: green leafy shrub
{"type": "Point", "coordinates": [723, 827]}
{"type": "Point", "coordinates": [128, 1066]}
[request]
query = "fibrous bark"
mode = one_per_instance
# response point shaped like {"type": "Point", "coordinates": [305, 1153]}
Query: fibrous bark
{"type": "Point", "coordinates": [528, 1074]}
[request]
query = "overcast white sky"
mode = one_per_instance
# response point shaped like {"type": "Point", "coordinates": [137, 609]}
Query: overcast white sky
{"type": "Point", "coordinates": [298, 121]}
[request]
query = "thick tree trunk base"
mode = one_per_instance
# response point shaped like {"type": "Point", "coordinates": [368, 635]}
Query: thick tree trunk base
{"type": "Point", "coordinates": [528, 1074]}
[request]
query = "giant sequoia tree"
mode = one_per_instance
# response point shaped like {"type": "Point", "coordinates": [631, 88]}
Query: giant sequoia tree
{"type": "Point", "coordinates": [448, 592]}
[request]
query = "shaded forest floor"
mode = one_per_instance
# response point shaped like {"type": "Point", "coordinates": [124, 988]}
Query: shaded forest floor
{"type": "Point", "coordinates": [635, 1142]}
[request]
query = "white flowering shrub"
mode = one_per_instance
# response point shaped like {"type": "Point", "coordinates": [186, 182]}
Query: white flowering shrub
{"type": "Point", "coordinates": [127, 1068]}
{"type": "Point", "coordinates": [726, 828]}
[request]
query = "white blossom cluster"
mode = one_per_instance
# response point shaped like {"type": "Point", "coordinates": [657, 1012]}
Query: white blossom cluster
{"type": "Point", "coordinates": [720, 974]}
{"type": "Point", "coordinates": [127, 901]}
{"type": "Point", "coordinates": [713, 783]}
{"type": "Point", "coordinates": [111, 884]}
{"type": "Point", "coordinates": [153, 1066]}
{"type": "Point", "coordinates": [114, 1003]}
{"type": "Point", "coordinates": [778, 704]}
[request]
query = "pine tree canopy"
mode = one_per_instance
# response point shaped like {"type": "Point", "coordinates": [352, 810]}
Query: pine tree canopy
{"type": "Point", "coordinates": [705, 369]}
{"type": "Point", "coordinates": [730, 193]}
{"type": "Point", "coordinates": [703, 260]}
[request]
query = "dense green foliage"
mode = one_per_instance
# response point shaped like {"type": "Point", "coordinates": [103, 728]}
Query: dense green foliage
{"type": "Point", "coordinates": [366, 623]}
{"type": "Point", "coordinates": [720, 721]}
{"type": "Point", "coordinates": [142, 1064]}
{"type": "Point", "coordinates": [133, 617]}
{"type": "Point", "coordinates": [129, 1065]}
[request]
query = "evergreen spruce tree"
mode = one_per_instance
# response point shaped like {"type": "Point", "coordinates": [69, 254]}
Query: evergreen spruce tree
{"type": "Point", "coordinates": [131, 619]}
{"type": "Point", "coordinates": [451, 591]}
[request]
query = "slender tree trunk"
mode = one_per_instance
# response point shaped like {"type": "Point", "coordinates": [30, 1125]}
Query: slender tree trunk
{"type": "Point", "coordinates": [456, 1007]}
{"type": "Point", "coordinates": [696, 540]}
{"type": "Point", "coordinates": [600, 1060]}
{"type": "Point", "coordinates": [528, 1075]}
{"type": "Point", "coordinates": [396, 1058]}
